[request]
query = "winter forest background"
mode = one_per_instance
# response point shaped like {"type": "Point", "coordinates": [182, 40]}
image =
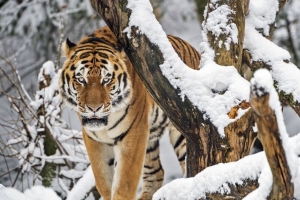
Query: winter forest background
{"type": "Point", "coordinates": [31, 32]}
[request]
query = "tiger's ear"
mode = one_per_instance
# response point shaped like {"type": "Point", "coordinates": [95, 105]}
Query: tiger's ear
{"type": "Point", "coordinates": [120, 49]}
{"type": "Point", "coordinates": [67, 47]}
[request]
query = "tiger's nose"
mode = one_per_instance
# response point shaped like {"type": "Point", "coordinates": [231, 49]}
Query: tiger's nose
{"type": "Point", "coordinates": [94, 108]}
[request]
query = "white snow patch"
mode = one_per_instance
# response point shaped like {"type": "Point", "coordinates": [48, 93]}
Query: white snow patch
{"type": "Point", "coordinates": [261, 14]}
{"type": "Point", "coordinates": [37, 192]}
{"type": "Point", "coordinates": [213, 179]}
{"type": "Point", "coordinates": [83, 186]}
{"type": "Point", "coordinates": [217, 23]}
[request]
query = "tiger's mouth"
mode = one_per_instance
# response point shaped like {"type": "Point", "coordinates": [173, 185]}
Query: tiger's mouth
{"type": "Point", "coordinates": [94, 121]}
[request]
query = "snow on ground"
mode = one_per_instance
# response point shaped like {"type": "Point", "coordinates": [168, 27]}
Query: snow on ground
{"type": "Point", "coordinates": [35, 193]}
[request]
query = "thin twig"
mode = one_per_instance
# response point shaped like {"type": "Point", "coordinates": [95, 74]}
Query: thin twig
{"type": "Point", "coordinates": [7, 169]}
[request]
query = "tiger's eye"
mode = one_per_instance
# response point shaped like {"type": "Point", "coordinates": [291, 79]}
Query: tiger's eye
{"type": "Point", "coordinates": [81, 80]}
{"type": "Point", "coordinates": [105, 80]}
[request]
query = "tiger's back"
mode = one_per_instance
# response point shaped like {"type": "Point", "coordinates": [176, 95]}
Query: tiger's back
{"type": "Point", "coordinates": [121, 124]}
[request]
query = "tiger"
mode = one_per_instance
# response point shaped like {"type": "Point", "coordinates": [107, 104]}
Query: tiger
{"type": "Point", "coordinates": [121, 123]}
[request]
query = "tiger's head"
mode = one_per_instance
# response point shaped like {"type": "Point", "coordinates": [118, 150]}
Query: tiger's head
{"type": "Point", "coordinates": [94, 80]}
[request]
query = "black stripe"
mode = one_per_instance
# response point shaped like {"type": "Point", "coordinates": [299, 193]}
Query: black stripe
{"type": "Point", "coordinates": [148, 167]}
{"type": "Point", "coordinates": [73, 67]}
{"type": "Point", "coordinates": [156, 115]}
{"type": "Point", "coordinates": [121, 118]}
{"type": "Point", "coordinates": [155, 158]}
{"type": "Point", "coordinates": [68, 78]}
{"type": "Point", "coordinates": [182, 158]}
{"type": "Point", "coordinates": [113, 77]}
{"type": "Point", "coordinates": [160, 124]}
{"type": "Point", "coordinates": [72, 57]}
{"type": "Point", "coordinates": [154, 172]}
{"type": "Point", "coordinates": [70, 92]}
{"type": "Point", "coordinates": [125, 80]}
{"type": "Point", "coordinates": [95, 40]}
{"type": "Point", "coordinates": [103, 66]}
{"type": "Point", "coordinates": [151, 181]}
{"type": "Point", "coordinates": [111, 161]}
{"type": "Point", "coordinates": [120, 98]}
{"type": "Point", "coordinates": [104, 61]}
{"type": "Point", "coordinates": [183, 49]}
{"type": "Point", "coordinates": [106, 49]}
{"type": "Point", "coordinates": [121, 137]}
{"type": "Point", "coordinates": [174, 44]}
{"type": "Point", "coordinates": [63, 80]}
{"type": "Point", "coordinates": [153, 148]}
{"type": "Point", "coordinates": [119, 78]}
{"type": "Point", "coordinates": [84, 55]}
{"type": "Point", "coordinates": [103, 55]}
{"type": "Point", "coordinates": [179, 140]}
{"type": "Point", "coordinates": [116, 67]}
{"type": "Point", "coordinates": [71, 101]}
{"type": "Point", "coordinates": [84, 48]}
{"type": "Point", "coordinates": [85, 61]}
{"type": "Point", "coordinates": [162, 129]}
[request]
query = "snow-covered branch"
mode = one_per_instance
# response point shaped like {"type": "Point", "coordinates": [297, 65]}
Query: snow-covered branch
{"type": "Point", "coordinates": [260, 52]}
{"type": "Point", "coordinates": [221, 181]}
{"type": "Point", "coordinates": [272, 133]}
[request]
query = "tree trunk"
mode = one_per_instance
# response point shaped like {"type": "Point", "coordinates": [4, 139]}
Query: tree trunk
{"type": "Point", "coordinates": [228, 51]}
{"type": "Point", "coordinates": [205, 146]}
{"type": "Point", "coordinates": [50, 147]}
{"type": "Point", "coordinates": [200, 9]}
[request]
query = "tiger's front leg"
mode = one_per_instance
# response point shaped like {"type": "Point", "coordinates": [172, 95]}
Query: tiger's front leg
{"type": "Point", "coordinates": [129, 157]}
{"type": "Point", "coordinates": [101, 157]}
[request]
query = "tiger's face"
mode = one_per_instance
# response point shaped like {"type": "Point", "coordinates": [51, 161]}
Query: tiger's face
{"type": "Point", "coordinates": [94, 82]}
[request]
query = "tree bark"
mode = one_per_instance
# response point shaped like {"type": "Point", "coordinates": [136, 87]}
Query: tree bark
{"type": "Point", "coordinates": [200, 9]}
{"type": "Point", "coordinates": [269, 135]}
{"type": "Point", "coordinates": [228, 55]}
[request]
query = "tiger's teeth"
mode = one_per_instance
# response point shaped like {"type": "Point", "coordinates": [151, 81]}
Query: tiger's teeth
{"type": "Point", "coordinates": [94, 117]}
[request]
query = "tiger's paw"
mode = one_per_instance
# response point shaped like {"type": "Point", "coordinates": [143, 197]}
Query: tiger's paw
{"type": "Point", "coordinates": [145, 196]}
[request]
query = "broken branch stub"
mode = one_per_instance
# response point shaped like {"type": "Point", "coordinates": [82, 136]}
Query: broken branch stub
{"type": "Point", "coordinates": [269, 135]}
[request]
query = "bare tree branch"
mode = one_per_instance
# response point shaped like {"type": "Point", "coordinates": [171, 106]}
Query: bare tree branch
{"type": "Point", "coordinates": [268, 133]}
